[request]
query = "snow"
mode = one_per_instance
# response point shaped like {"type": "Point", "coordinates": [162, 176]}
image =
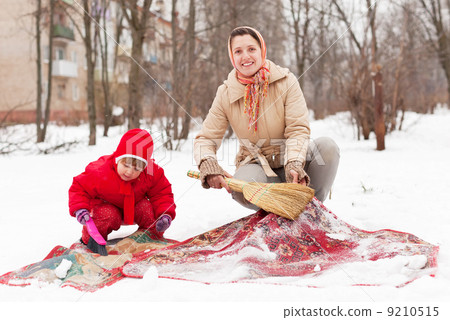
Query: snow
{"type": "Point", "coordinates": [63, 268]}
{"type": "Point", "coordinates": [117, 111]}
{"type": "Point", "coordinates": [150, 279]}
{"type": "Point", "coordinates": [403, 188]}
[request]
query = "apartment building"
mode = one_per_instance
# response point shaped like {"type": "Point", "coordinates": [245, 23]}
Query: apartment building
{"type": "Point", "coordinates": [18, 56]}
{"type": "Point", "coordinates": [18, 60]}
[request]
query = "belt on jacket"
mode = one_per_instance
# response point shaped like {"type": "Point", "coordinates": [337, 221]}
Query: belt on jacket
{"type": "Point", "coordinates": [255, 153]}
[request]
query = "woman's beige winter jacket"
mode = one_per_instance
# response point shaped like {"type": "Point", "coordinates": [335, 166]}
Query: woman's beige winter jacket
{"type": "Point", "coordinates": [283, 127]}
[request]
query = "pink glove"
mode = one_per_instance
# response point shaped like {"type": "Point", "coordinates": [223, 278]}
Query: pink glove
{"type": "Point", "coordinates": [163, 223]}
{"type": "Point", "coordinates": [82, 216]}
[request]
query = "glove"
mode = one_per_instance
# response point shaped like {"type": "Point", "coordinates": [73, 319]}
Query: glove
{"type": "Point", "coordinates": [82, 216]}
{"type": "Point", "coordinates": [209, 166]}
{"type": "Point", "coordinates": [297, 166]}
{"type": "Point", "coordinates": [163, 223]}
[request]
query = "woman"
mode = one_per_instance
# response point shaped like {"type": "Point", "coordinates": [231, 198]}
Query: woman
{"type": "Point", "coordinates": [265, 106]}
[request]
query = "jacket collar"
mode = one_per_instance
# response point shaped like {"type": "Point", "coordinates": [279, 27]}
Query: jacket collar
{"type": "Point", "coordinates": [236, 90]}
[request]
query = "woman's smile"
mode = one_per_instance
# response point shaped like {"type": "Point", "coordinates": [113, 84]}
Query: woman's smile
{"type": "Point", "coordinates": [246, 54]}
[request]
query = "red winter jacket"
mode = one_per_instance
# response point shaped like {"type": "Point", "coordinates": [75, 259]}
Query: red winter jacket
{"type": "Point", "coordinates": [100, 182]}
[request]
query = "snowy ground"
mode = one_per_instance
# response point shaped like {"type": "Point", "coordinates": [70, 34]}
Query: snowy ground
{"type": "Point", "coordinates": [403, 188]}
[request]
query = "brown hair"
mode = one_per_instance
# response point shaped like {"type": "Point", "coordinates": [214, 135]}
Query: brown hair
{"type": "Point", "coordinates": [240, 31]}
{"type": "Point", "coordinates": [138, 164]}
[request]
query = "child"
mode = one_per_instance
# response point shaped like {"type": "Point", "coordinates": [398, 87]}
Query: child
{"type": "Point", "coordinates": [125, 187]}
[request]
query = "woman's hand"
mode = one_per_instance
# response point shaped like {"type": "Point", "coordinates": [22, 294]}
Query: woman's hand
{"type": "Point", "coordinates": [294, 175]}
{"type": "Point", "coordinates": [217, 181]}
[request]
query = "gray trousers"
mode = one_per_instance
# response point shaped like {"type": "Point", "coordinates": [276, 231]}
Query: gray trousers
{"type": "Point", "coordinates": [322, 161]}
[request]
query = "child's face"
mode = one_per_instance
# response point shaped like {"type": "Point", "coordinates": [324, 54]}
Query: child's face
{"type": "Point", "coordinates": [127, 171]}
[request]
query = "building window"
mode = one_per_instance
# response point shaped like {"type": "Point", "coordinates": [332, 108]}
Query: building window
{"type": "Point", "coordinates": [59, 53]}
{"type": "Point", "coordinates": [75, 92]}
{"type": "Point", "coordinates": [61, 91]}
{"type": "Point", "coordinates": [74, 57]}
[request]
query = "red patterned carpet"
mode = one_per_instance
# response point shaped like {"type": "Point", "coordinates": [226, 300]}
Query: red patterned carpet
{"type": "Point", "coordinates": [259, 248]}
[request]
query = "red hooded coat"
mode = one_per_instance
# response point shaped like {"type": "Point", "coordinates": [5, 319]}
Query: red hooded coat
{"type": "Point", "coordinates": [100, 181]}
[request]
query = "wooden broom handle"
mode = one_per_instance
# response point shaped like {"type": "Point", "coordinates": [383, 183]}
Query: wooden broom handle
{"type": "Point", "coordinates": [196, 175]}
{"type": "Point", "coordinates": [234, 184]}
{"type": "Point", "coordinates": [193, 174]}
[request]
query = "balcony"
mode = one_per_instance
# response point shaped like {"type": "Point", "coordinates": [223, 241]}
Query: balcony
{"type": "Point", "coordinates": [60, 31]}
{"type": "Point", "coordinates": [64, 68]}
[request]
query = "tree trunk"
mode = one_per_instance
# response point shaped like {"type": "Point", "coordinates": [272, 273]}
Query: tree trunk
{"type": "Point", "coordinates": [105, 76]}
{"type": "Point", "coordinates": [402, 118]}
{"type": "Point", "coordinates": [380, 129]}
{"type": "Point", "coordinates": [41, 138]}
{"type": "Point", "coordinates": [300, 39]}
{"type": "Point", "coordinates": [359, 66]}
{"type": "Point", "coordinates": [118, 33]}
{"type": "Point", "coordinates": [39, 71]}
{"type": "Point", "coordinates": [134, 92]}
{"type": "Point", "coordinates": [366, 128]}
{"type": "Point", "coordinates": [137, 18]}
{"type": "Point", "coordinates": [190, 34]}
{"type": "Point", "coordinates": [175, 78]}
{"type": "Point", "coordinates": [90, 74]}
{"type": "Point", "coordinates": [377, 82]}
{"type": "Point", "coordinates": [395, 94]}
{"type": "Point", "coordinates": [444, 47]}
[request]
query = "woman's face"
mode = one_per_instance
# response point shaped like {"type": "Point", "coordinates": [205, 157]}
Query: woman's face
{"type": "Point", "coordinates": [247, 54]}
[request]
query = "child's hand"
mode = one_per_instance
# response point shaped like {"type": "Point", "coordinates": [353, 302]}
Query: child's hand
{"type": "Point", "coordinates": [82, 216]}
{"type": "Point", "coordinates": [163, 223]}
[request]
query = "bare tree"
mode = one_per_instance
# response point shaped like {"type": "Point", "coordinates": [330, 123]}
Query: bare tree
{"type": "Point", "coordinates": [191, 40]}
{"type": "Point", "coordinates": [377, 79]}
{"type": "Point", "coordinates": [172, 128]}
{"type": "Point", "coordinates": [104, 53]}
{"type": "Point", "coordinates": [397, 98]}
{"type": "Point", "coordinates": [137, 17]}
{"type": "Point", "coordinates": [90, 45]}
{"type": "Point", "coordinates": [357, 88]}
{"type": "Point", "coordinates": [91, 56]}
{"type": "Point", "coordinates": [182, 44]}
{"type": "Point", "coordinates": [217, 21]}
{"type": "Point", "coordinates": [412, 77]}
{"type": "Point", "coordinates": [301, 34]}
{"type": "Point", "coordinates": [440, 36]}
{"type": "Point", "coordinates": [312, 37]}
{"type": "Point", "coordinates": [322, 74]}
{"type": "Point", "coordinates": [42, 120]}
{"type": "Point", "coordinates": [38, 70]}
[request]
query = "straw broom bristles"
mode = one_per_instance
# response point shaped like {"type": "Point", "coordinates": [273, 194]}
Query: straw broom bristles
{"type": "Point", "coordinates": [287, 200]}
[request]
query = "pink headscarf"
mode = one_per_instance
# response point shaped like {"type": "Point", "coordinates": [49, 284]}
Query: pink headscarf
{"type": "Point", "coordinates": [256, 85]}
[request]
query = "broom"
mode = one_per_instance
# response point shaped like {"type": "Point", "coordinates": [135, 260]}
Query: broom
{"type": "Point", "coordinates": [287, 200]}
